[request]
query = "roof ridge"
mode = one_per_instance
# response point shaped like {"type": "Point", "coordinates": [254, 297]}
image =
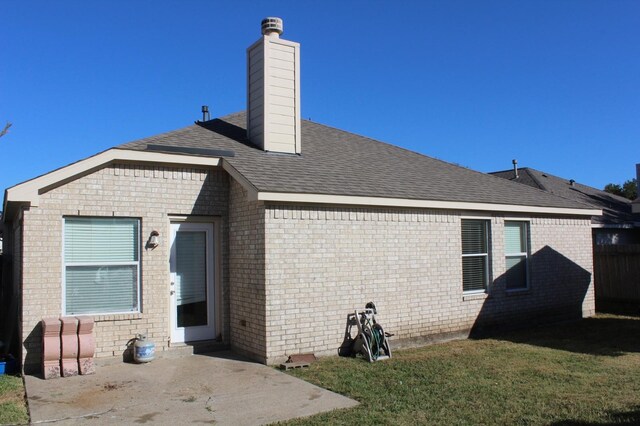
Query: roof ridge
{"type": "Point", "coordinates": [535, 179]}
{"type": "Point", "coordinates": [614, 196]}
{"type": "Point", "coordinates": [122, 145]}
{"type": "Point", "coordinates": [545, 191]}
{"type": "Point", "coordinates": [548, 191]}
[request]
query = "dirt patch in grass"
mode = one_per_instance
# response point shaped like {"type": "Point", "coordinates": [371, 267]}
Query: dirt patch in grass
{"type": "Point", "coordinates": [586, 372]}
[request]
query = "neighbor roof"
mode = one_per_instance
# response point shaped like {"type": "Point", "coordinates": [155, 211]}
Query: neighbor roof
{"type": "Point", "coordinates": [616, 210]}
{"type": "Point", "coordinates": [338, 163]}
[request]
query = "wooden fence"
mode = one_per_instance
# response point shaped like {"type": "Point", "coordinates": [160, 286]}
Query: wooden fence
{"type": "Point", "coordinates": [617, 272]}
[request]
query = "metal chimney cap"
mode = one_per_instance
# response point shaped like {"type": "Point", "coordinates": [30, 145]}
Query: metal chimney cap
{"type": "Point", "coordinates": [272, 25]}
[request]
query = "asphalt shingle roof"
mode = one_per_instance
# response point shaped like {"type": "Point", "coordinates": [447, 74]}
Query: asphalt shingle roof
{"type": "Point", "coordinates": [615, 209]}
{"type": "Point", "coordinates": [335, 162]}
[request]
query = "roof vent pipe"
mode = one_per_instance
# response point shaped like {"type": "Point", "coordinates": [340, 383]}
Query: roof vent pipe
{"type": "Point", "coordinates": [572, 182]}
{"type": "Point", "coordinates": [515, 168]}
{"type": "Point", "coordinates": [205, 113]}
{"type": "Point", "coordinates": [272, 26]}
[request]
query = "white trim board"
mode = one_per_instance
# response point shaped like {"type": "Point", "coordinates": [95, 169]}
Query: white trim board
{"type": "Point", "coordinates": [425, 204]}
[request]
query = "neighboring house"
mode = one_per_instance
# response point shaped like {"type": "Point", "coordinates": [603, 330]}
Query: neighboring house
{"type": "Point", "coordinates": [616, 224]}
{"type": "Point", "coordinates": [267, 239]}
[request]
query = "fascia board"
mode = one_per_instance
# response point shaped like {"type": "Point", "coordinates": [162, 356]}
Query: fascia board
{"type": "Point", "coordinates": [30, 190]}
{"type": "Point", "coordinates": [428, 204]}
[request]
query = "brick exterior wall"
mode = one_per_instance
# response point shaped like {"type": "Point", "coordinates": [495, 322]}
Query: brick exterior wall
{"type": "Point", "coordinates": [247, 269]}
{"type": "Point", "coordinates": [152, 194]}
{"type": "Point", "coordinates": [322, 263]}
{"type": "Point", "coordinates": [291, 274]}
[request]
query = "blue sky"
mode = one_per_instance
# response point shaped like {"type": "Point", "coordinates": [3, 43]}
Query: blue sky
{"type": "Point", "coordinates": [555, 84]}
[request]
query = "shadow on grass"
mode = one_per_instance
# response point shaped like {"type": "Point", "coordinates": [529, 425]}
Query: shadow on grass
{"type": "Point", "coordinates": [601, 335]}
{"type": "Point", "coordinates": [617, 418]}
{"type": "Point", "coordinates": [555, 292]}
{"type": "Point", "coordinates": [557, 295]}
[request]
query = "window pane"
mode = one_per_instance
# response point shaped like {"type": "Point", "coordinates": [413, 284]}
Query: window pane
{"type": "Point", "coordinates": [474, 242]}
{"type": "Point", "coordinates": [191, 267]}
{"type": "Point", "coordinates": [516, 272]}
{"type": "Point", "coordinates": [514, 237]}
{"type": "Point", "coordinates": [101, 265]}
{"type": "Point", "coordinates": [92, 240]}
{"type": "Point", "coordinates": [474, 236]}
{"type": "Point", "coordinates": [474, 273]}
{"type": "Point", "coordinates": [101, 289]}
{"type": "Point", "coordinates": [516, 252]}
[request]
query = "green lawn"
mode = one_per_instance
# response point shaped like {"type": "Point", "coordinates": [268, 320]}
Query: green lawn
{"type": "Point", "coordinates": [584, 373]}
{"type": "Point", "coordinates": [12, 407]}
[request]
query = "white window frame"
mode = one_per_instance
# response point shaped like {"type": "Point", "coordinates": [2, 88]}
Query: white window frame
{"type": "Point", "coordinates": [526, 254]}
{"type": "Point", "coordinates": [486, 256]}
{"type": "Point", "coordinates": [65, 264]}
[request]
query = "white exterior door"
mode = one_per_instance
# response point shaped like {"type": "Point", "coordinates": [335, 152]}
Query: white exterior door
{"type": "Point", "coordinates": [192, 282]}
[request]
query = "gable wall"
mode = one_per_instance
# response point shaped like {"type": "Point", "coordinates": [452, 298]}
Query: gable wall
{"type": "Point", "coordinates": [322, 263]}
{"type": "Point", "coordinates": [148, 193]}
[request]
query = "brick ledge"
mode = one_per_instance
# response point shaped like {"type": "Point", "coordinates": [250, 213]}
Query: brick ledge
{"type": "Point", "coordinates": [117, 317]}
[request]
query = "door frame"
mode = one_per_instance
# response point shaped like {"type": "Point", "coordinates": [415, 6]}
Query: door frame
{"type": "Point", "coordinates": [179, 336]}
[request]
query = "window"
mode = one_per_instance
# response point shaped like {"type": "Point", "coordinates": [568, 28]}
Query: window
{"type": "Point", "coordinates": [101, 265]}
{"type": "Point", "coordinates": [516, 252]}
{"type": "Point", "coordinates": [475, 254]}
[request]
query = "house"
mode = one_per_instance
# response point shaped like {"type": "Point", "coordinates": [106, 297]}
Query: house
{"type": "Point", "coordinates": [616, 235]}
{"type": "Point", "coordinates": [616, 224]}
{"type": "Point", "coordinates": [264, 231]}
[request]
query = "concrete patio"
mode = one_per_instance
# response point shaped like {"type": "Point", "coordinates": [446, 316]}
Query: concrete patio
{"type": "Point", "coordinates": [218, 388]}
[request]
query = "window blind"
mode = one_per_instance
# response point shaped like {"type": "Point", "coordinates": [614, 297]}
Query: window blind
{"type": "Point", "coordinates": [474, 273]}
{"type": "Point", "coordinates": [474, 236]}
{"type": "Point", "coordinates": [191, 267]}
{"type": "Point", "coordinates": [514, 241]}
{"type": "Point", "coordinates": [91, 240]}
{"type": "Point", "coordinates": [516, 253]}
{"type": "Point", "coordinates": [101, 265]}
{"type": "Point", "coordinates": [475, 254]}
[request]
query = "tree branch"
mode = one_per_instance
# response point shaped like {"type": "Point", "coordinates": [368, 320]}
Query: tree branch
{"type": "Point", "coordinates": [5, 130]}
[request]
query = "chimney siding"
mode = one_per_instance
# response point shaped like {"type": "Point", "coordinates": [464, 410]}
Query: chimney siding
{"type": "Point", "coordinates": [273, 95]}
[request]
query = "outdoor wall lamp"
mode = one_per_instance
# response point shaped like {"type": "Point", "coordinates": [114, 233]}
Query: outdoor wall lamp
{"type": "Point", "coordinates": [154, 240]}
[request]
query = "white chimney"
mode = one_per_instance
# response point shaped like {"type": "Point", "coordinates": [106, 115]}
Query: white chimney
{"type": "Point", "coordinates": [273, 91]}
